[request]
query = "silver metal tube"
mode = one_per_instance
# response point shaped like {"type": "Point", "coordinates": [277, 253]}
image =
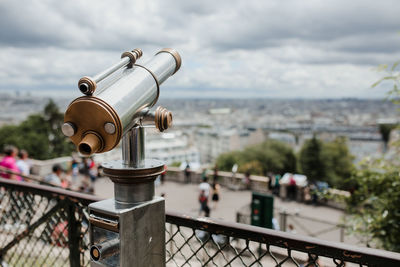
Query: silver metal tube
{"type": "Point", "coordinates": [133, 147]}
{"type": "Point", "coordinates": [104, 74]}
{"type": "Point", "coordinates": [84, 86]}
{"type": "Point", "coordinates": [128, 194]}
{"type": "Point", "coordinates": [136, 89]}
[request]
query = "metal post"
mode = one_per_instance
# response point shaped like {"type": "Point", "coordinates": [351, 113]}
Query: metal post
{"type": "Point", "coordinates": [283, 220]}
{"type": "Point", "coordinates": [342, 233]}
{"type": "Point", "coordinates": [133, 147]}
{"type": "Point", "coordinates": [171, 247]}
{"type": "Point", "coordinates": [73, 237]}
{"type": "Point", "coordinates": [135, 215]}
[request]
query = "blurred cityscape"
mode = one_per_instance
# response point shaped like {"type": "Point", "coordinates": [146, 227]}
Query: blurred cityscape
{"type": "Point", "coordinates": [206, 128]}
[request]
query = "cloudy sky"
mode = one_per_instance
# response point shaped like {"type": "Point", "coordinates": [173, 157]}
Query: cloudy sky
{"type": "Point", "coordinates": [314, 48]}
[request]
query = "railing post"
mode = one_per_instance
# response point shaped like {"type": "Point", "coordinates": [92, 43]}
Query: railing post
{"type": "Point", "coordinates": [283, 219]}
{"type": "Point", "coordinates": [171, 247]}
{"type": "Point", "coordinates": [73, 236]}
{"type": "Point", "coordinates": [342, 233]}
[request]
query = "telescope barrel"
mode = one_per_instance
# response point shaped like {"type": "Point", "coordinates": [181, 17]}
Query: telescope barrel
{"type": "Point", "coordinates": [96, 123]}
{"type": "Point", "coordinates": [138, 88]}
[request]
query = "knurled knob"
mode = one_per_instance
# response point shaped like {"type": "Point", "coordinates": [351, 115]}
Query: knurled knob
{"type": "Point", "coordinates": [163, 119]}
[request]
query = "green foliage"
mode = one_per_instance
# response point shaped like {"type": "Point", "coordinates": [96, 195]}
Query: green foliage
{"type": "Point", "coordinates": [339, 163]}
{"type": "Point", "coordinates": [391, 74]}
{"type": "Point", "coordinates": [270, 156]}
{"type": "Point", "coordinates": [175, 164]}
{"type": "Point", "coordinates": [374, 205]}
{"type": "Point", "coordinates": [330, 161]}
{"type": "Point", "coordinates": [254, 167]}
{"type": "Point", "coordinates": [39, 134]}
{"type": "Point", "coordinates": [312, 162]}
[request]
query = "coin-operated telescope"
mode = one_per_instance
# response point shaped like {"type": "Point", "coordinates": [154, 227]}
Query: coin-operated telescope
{"type": "Point", "coordinates": [128, 230]}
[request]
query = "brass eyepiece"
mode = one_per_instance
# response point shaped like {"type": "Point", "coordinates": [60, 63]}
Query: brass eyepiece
{"type": "Point", "coordinates": [91, 143]}
{"type": "Point", "coordinates": [87, 85]}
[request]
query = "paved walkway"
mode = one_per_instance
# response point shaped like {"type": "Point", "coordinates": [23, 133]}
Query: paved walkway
{"type": "Point", "coordinates": [184, 198]}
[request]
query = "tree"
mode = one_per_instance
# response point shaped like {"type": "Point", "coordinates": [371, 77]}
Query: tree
{"type": "Point", "coordinates": [327, 161]}
{"type": "Point", "coordinates": [270, 156]}
{"type": "Point", "coordinates": [374, 205]}
{"type": "Point", "coordinates": [338, 163]}
{"type": "Point", "coordinates": [312, 163]}
{"type": "Point", "coordinates": [40, 134]}
{"type": "Point", "coordinates": [385, 129]}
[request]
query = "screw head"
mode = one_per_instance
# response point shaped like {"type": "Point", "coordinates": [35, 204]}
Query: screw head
{"type": "Point", "coordinates": [109, 127]}
{"type": "Point", "coordinates": [68, 129]}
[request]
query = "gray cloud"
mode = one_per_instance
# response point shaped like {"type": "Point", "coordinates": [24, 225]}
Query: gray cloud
{"type": "Point", "coordinates": [273, 48]}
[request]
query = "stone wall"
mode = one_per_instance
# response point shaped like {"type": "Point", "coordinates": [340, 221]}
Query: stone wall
{"type": "Point", "coordinates": [44, 167]}
{"type": "Point", "coordinates": [226, 179]}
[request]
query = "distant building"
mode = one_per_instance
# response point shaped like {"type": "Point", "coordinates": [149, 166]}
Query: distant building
{"type": "Point", "coordinates": [171, 147]}
{"type": "Point", "coordinates": [167, 147]}
{"type": "Point", "coordinates": [212, 142]}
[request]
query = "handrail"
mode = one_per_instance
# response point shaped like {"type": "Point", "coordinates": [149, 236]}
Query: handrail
{"type": "Point", "coordinates": [29, 177]}
{"type": "Point", "coordinates": [50, 191]}
{"type": "Point", "coordinates": [286, 240]}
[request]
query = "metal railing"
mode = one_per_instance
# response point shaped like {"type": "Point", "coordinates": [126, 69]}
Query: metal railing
{"type": "Point", "coordinates": [48, 226]}
{"type": "Point", "coordinates": [305, 225]}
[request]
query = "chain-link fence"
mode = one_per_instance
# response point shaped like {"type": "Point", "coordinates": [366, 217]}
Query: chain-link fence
{"type": "Point", "coordinates": [47, 226]}
{"type": "Point", "coordinates": [305, 225]}
{"type": "Point", "coordinates": [42, 225]}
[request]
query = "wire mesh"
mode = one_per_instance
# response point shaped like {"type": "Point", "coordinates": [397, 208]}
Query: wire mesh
{"type": "Point", "coordinates": [193, 247]}
{"type": "Point", "coordinates": [34, 229]}
{"type": "Point", "coordinates": [41, 226]}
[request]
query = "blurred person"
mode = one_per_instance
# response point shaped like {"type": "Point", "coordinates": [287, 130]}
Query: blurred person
{"type": "Point", "coordinates": [246, 180]}
{"type": "Point", "coordinates": [314, 194]}
{"type": "Point", "coordinates": [64, 183]}
{"type": "Point", "coordinates": [204, 173]}
{"type": "Point", "coordinates": [205, 186]}
{"type": "Point", "coordinates": [291, 229]}
{"type": "Point", "coordinates": [23, 163]}
{"type": "Point", "coordinates": [275, 224]}
{"type": "Point", "coordinates": [84, 167]}
{"type": "Point", "coordinates": [307, 194]}
{"type": "Point", "coordinates": [215, 194]}
{"type": "Point", "coordinates": [203, 199]}
{"type": "Point", "coordinates": [292, 188]}
{"type": "Point", "coordinates": [187, 173]}
{"type": "Point", "coordinates": [234, 170]}
{"type": "Point", "coordinates": [215, 174]}
{"type": "Point", "coordinates": [10, 163]}
{"type": "Point", "coordinates": [74, 171]}
{"type": "Point", "coordinates": [92, 170]}
{"type": "Point", "coordinates": [54, 178]}
{"type": "Point", "coordinates": [276, 184]}
{"type": "Point", "coordinates": [235, 185]}
{"type": "Point", "coordinates": [162, 176]}
{"type": "Point", "coordinates": [269, 176]}
{"type": "Point", "coordinates": [85, 186]}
